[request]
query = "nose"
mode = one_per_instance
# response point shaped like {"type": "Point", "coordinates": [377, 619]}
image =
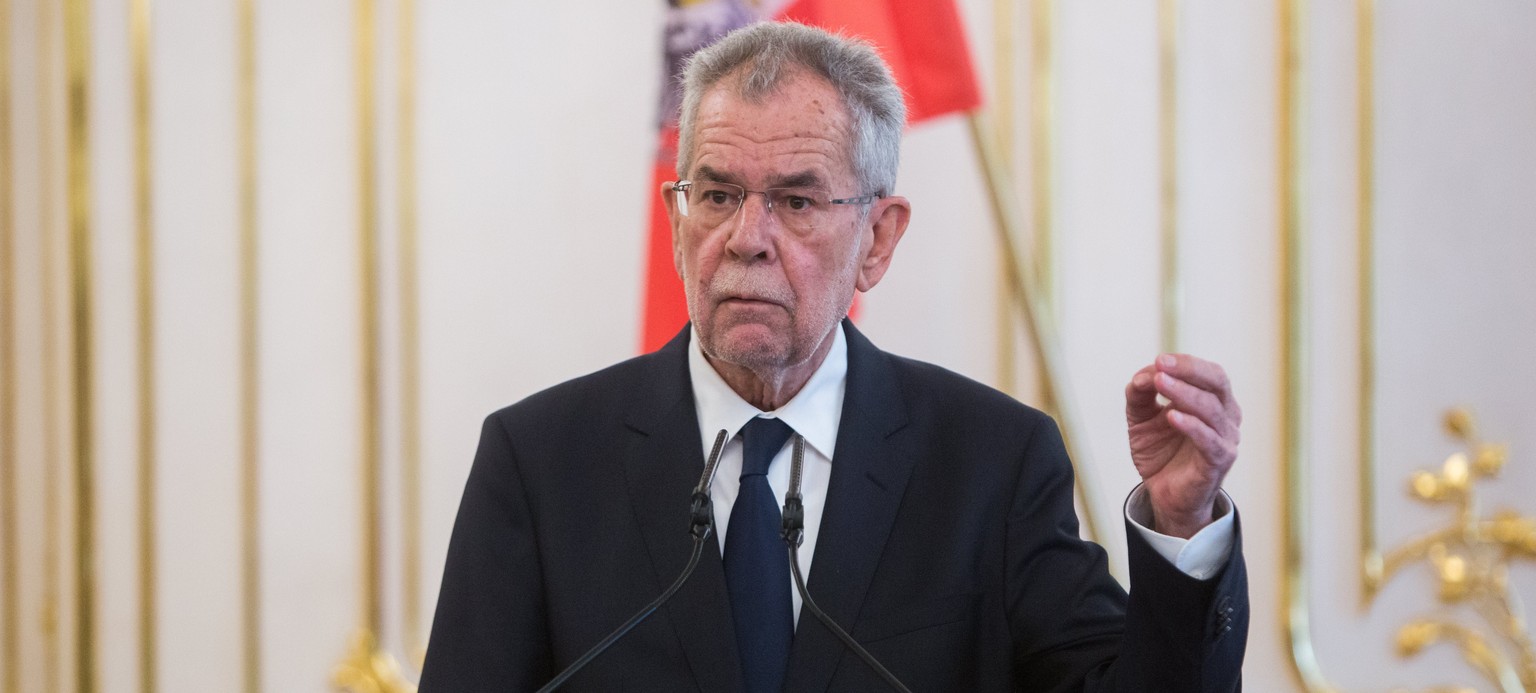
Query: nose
{"type": "Point", "coordinates": [752, 237]}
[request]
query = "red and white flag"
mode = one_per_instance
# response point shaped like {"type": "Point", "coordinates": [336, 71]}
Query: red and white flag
{"type": "Point", "coordinates": [922, 40]}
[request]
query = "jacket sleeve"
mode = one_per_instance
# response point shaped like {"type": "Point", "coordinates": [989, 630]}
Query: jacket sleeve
{"type": "Point", "coordinates": [1075, 630]}
{"type": "Point", "coordinates": [488, 633]}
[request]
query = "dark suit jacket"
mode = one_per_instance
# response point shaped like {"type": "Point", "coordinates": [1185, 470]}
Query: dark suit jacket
{"type": "Point", "coordinates": [948, 547]}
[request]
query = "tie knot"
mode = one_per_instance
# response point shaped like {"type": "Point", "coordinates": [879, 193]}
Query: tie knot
{"type": "Point", "coordinates": [762, 439]}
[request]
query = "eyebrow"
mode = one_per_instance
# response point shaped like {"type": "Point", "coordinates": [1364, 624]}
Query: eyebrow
{"type": "Point", "coordinates": [799, 179]}
{"type": "Point", "coordinates": [802, 179]}
{"type": "Point", "coordinates": [709, 174]}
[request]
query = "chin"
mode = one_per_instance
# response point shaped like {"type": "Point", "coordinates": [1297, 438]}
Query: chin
{"type": "Point", "coordinates": [748, 351]}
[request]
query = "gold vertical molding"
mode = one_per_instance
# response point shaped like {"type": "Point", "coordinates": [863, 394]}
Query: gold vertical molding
{"type": "Point", "coordinates": [1168, 174]}
{"type": "Point", "coordinates": [1294, 584]}
{"type": "Point", "coordinates": [1365, 180]}
{"type": "Point", "coordinates": [1293, 579]}
{"type": "Point", "coordinates": [410, 334]}
{"type": "Point", "coordinates": [1042, 145]}
{"type": "Point", "coordinates": [47, 222]}
{"type": "Point", "coordinates": [10, 660]}
{"type": "Point", "coordinates": [77, 62]}
{"type": "Point", "coordinates": [1042, 86]}
{"type": "Point", "coordinates": [364, 29]}
{"type": "Point", "coordinates": [1003, 28]}
{"type": "Point", "coordinates": [139, 38]}
{"type": "Point", "coordinates": [250, 363]}
{"type": "Point", "coordinates": [366, 667]}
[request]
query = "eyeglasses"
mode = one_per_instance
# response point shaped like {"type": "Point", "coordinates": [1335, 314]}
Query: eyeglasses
{"type": "Point", "coordinates": [799, 209]}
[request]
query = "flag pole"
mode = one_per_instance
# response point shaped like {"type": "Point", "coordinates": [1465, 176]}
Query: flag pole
{"type": "Point", "coordinates": [1039, 327]}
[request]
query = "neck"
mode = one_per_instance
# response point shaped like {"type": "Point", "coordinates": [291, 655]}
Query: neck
{"type": "Point", "coordinates": [772, 387]}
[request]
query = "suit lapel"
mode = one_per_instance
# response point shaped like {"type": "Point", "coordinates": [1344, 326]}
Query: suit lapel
{"type": "Point", "coordinates": [661, 467]}
{"type": "Point", "coordinates": [869, 475]}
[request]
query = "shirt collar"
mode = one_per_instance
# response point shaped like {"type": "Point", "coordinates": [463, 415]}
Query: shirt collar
{"type": "Point", "coordinates": [814, 412]}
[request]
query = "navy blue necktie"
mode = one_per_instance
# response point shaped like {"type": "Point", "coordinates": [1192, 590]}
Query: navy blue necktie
{"type": "Point", "coordinates": [757, 565]}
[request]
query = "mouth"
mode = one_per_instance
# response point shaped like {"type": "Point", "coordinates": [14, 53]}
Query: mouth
{"type": "Point", "coordinates": [748, 301]}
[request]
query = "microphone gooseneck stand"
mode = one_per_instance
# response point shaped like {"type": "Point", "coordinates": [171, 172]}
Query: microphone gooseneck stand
{"type": "Point", "coordinates": [701, 525]}
{"type": "Point", "coordinates": [794, 533]}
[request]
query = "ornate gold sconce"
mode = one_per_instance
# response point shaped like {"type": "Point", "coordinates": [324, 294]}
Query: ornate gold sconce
{"type": "Point", "coordinates": [1471, 559]}
{"type": "Point", "coordinates": [368, 669]}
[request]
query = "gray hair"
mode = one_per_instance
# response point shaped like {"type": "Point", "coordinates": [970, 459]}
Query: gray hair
{"type": "Point", "coordinates": [767, 53]}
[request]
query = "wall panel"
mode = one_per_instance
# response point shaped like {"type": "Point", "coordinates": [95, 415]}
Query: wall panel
{"type": "Point", "coordinates": [1228, 270]}
{"type": "Point", "coordinates": [1444, 305]}
{"type": "Point", "coordinates": [109, 273]}
{"type": "Point", "coordinates": [1106, 222]}
{"type": "Point", "coordinates": [526, 279]}
{"type": "Point", "coordinates": [310, 390]}
{"type": "Point", "coordinates": [196, 290]}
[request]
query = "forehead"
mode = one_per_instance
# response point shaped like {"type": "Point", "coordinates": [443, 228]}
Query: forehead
{"type": "Point", "coordinates": [799, 128]}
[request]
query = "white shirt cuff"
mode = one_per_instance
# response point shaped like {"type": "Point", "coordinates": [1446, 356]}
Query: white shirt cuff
{"type": "Point", "coordinates": [1199, 556]}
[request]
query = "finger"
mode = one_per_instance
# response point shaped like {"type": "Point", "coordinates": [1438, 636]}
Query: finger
{"type": "Point", "coordinates": [1217, 450]}
{"type": "Point", "coordinates": [1200, 403]}
{"type": "Point", "coordinates": [1206, 375]}
{"type": "Point", "coordinates": [1141, 396]}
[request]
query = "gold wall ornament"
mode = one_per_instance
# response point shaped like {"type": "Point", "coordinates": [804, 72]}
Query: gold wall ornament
{"type": "Point", "coordinates": [1471, 558]}
{"type": "Point", "coordinates": [367, 669]}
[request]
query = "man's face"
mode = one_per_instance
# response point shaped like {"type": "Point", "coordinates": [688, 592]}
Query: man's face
{"type": "Point", "coordinates": [761, 296]}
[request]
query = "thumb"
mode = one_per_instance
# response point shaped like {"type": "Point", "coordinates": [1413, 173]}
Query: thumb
{"type": "Point", "coordinates": [1141, 397]}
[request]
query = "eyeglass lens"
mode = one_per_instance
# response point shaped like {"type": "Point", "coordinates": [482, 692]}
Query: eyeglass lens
{"type": "Point", "coordinates": [712, 203]}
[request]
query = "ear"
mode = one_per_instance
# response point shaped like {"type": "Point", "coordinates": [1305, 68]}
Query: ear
{"type": "Point", "coordinates": [887, 221]}
{"type": "Point", "coordinates": [669, 200]}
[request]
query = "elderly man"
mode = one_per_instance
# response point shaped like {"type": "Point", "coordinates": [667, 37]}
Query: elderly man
{"type": "Point", "coordinates": [939, 526]}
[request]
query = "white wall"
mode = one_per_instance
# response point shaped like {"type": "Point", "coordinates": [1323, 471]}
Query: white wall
{"type": "Point", "coordinates": [526, 279]}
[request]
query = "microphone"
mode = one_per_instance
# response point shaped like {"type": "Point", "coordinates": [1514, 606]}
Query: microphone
{"type": "Point", "coordinates": [794, 533]}
{"type": "Point", "coordinates": [701, 525]}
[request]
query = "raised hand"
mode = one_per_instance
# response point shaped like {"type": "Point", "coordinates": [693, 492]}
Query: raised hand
{"type": "Point", "coordinates": [1182, 449]}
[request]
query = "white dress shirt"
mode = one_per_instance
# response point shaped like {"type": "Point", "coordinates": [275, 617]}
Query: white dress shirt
{"type": "Point", "coordinates": [815, 413]}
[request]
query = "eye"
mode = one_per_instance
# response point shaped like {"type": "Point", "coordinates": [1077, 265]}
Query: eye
{"type": "Point", "coordinates": [717, 197]}
{"type": "Point", "coordinates": [795, 200]}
